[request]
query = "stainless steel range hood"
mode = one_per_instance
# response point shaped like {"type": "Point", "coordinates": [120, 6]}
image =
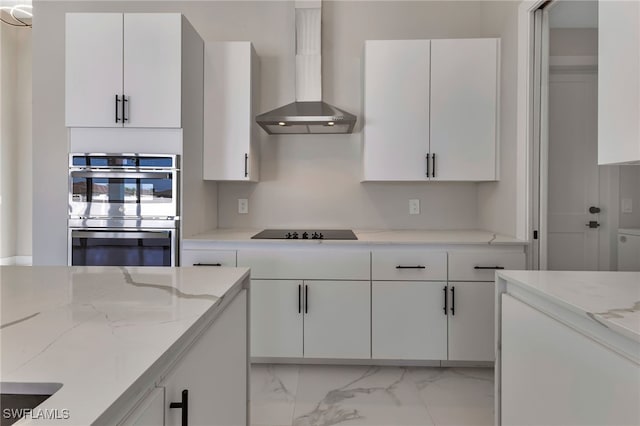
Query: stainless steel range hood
{"type": "Point", "coordinates": [308, 114]}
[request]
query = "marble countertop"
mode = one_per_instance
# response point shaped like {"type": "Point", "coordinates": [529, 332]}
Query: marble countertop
{"type": "Point", "coordinates": [610, 298]}
{"type": "Point", "coordinates": [99, 330]}
{"type": "Point", "coordinates": [379, 236]}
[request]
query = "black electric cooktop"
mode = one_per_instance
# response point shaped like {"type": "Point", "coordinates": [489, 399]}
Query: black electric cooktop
{"type": "Point", "coordinates": [305, 234]}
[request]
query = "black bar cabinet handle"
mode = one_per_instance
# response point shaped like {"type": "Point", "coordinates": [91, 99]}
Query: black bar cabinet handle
{"type": "Point", "coordinates": [306, 299]}
{"type": "Point", "coordinates": [117, 100]}
{"type": "Point", "coordinates": [488, 267]}
{"type": "Point", "coordinates": [184, 405]}
{"type": "Point", "coordinates": [207, 264]}
{"type": "Point", "coordinates": [444, 290]}
{"type": "Point", "coordinates": [124, 108]}
{"type": "Point", "coordinates": [299, 298]}
{"type": "Point", "coordinates": [410, 267]}
{"type": "Point", "coordinates": [246, 158]}
{"type": "Point", "coordinates": [427, 164]}
{"type": "Point", "coordinates": [453, 300]}
{"type": "Point", "coordinates": [433, 166]}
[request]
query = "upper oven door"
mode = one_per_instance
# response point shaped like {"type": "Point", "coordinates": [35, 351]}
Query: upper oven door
{"type": "Point", "coordinates": [116, 191]}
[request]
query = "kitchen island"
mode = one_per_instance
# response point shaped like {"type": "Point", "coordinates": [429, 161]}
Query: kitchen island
{"type": "Point", "coordinates": [124, 343]}
{"type": "Point", "coordinates": [567, 348]}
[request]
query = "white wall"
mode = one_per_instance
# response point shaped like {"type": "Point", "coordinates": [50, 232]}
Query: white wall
{"type": "Point", "coordinates": [497, 200]}
{"type": "Point", "coordinates": [15, 125]}
{"type": "Point", "coordinates": [305, 180]}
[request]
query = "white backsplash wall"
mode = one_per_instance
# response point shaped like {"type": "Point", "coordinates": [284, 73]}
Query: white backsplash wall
{"type": "Point", "coordinates": [314, 180]}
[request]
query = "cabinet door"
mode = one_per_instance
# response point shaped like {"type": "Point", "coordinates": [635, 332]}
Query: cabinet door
{"type": "Point", "coordinates": [93, 69]}
{"type": "Point", "coordinates": [214, 372]}
{"type": "Point", "coordinates": [276, 318]}
{"type": "Point", "coordinates": [229, 121]}
{"type": "Point", "coordinates": [152, 69]}
{"type": "Point", "coordinates": [471, 321]}
{"type": "Point", "coordinates": [618, 82]}
{"type": "Point", "coordinates": [337, 320]}
{"type": "Point", "coordinates": [464, 102]}
{"type": "Point", "coordinates": [396, 110]}
{"type": "Point", "coordinates": [408, 320]}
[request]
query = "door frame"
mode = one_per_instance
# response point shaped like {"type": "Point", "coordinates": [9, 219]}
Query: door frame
{"type": "Point", "coordinates": [532, 164]}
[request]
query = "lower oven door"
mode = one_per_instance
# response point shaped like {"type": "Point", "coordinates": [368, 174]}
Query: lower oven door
{"type": "Point", "coordinates": [121, 247]}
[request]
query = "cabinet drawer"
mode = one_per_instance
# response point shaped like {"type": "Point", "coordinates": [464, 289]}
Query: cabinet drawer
{"type": "Point", "coordinates": [306, 264]}
{"type": "Point", "coordinates": [208, 258]}
{"type": "Point", "coordinates": [481, 266]}
{"type": "Point", "coordinates": [402, 265]}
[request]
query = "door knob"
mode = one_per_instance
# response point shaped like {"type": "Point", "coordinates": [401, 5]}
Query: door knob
{"type": "Point", "coordinates": [593, 224]}
{"type": "Point", "coordinates": [594, 209]}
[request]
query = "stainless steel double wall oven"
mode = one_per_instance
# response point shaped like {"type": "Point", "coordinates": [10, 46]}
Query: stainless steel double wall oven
{"type": "Point", "coordinates": [123, 209]}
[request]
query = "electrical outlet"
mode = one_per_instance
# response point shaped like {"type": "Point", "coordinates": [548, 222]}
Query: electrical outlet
{"type": "Point", "coordinates": [243, 206]}
{"type": "Point", "coordinates": [627, 205]}
{"type": "Point", "coordinates": [414, 206]}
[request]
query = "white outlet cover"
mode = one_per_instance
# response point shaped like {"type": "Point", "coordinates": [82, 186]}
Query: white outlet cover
{"type": "Point", "coordinates": [243, 206]}
{"type": "Point", "coordinates": [627, 205]}
{"type": "Point", "coordinates": [414, 206]}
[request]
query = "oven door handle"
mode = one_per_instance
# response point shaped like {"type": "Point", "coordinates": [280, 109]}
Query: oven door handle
{"type": "Point", "coordinates": [121, 235]}
{"type": "Point", "coordinates": [121, 175]}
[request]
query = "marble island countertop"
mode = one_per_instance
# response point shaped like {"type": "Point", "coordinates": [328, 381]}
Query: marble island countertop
{"type": "Point", "coordinates": [612, 299]}
{"type": "Point", "coordinates": [371, 236]}
{"type": "Point", "coordinates": [99, 331]}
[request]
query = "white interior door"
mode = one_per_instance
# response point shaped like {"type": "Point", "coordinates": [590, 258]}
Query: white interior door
{"type": "Point", "coordinates": [93, 74]}
{"type": "Point", "coordinates": [573, 176]}
{"type": "Point", "coordinates": [152, 69]}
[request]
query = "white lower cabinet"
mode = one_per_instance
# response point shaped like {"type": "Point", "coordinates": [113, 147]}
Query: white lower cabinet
{"type": "Point", "coordinates": [276, 318]}
{"type": "Point", "coordinates": [408, 320]}
{"type": "Point", "coordinates": [311, 319]}
{"type": "Point", "coordinates": [214, 373]}
{"type": "Point", "coordinates": [337, 320]}
{"type": "Point", "coordinates": [471, 321]}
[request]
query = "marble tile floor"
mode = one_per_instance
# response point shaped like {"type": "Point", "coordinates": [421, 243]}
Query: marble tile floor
{"type": "Point", "coordinates": [323, 395]}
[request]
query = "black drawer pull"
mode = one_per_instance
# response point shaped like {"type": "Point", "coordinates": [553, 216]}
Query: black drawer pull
{"type": "Point", "coordinates": [306, 299]}
{"type": "Point", "coordinates": [184, 405]}
{"type": "Point", "coordinates": [207, 264]}
{"type": "Point", "coordinates": [488, 267]}
{"type": "Point", "coordinates": [410, 267]}
{"type": "Point", "coordinates": [299, 298]}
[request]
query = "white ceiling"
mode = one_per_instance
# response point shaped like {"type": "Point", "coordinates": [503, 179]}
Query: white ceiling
{"type": "Point", "coordinates": [573, 14]}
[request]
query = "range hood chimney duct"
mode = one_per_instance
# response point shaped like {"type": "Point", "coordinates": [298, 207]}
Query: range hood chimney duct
{"type": "Point", "coordinates": [308, 114]}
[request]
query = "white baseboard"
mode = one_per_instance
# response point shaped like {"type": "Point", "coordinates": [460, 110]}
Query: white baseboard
{"type": "Point", "coordinates": [17, 260]}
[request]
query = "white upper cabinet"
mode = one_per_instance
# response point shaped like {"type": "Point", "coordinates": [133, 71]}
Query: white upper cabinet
{"type": "Point", "coordinates": [430, 110]}
{"type": "Point", "coordinates": [123, 70]}
{"type": "Point", "coordinates": [230, 137]}
{"type": "Point", "coordinates": [93, 76]}
{"type": "Point", "coordinates": [618, 82]}
{"type": "Point", "coordinates": [396, 109]}
{"type": "Point", "coordinates": [152, 69]}
{"type": "Point", "coordinates": [464, 108]}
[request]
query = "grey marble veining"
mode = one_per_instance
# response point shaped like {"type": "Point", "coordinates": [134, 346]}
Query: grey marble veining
{"type": "Point", "coordinates": [18, 321]}
{"type": "Point", "coordinates": [371, 396]}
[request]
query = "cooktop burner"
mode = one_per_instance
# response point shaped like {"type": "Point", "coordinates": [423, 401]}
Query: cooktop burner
{"type": "Point", "coordinates": [308, 234]}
